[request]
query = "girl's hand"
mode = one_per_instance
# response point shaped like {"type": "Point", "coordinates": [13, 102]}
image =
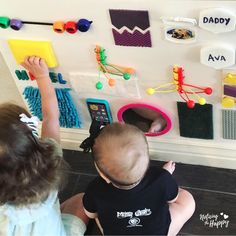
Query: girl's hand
{"type": "Point", "coordinates": [36, 66]}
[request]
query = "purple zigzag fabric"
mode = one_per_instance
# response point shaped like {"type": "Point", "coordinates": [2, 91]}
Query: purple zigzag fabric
{"type": "Point", "coordinates": [129, 18]}
{"type": "Point", "coordinates": [132, 39]}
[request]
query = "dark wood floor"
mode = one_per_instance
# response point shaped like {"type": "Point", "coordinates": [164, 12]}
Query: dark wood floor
{"type": "Point", "coordinates": [214, 190]}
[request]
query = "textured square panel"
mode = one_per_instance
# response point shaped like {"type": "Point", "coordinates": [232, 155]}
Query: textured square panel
{"type": "Point", "coordinates": [131, 28]}
{"type": "Point", "coordinates": [196, 122]}
{"type": "Point", "coordinates": [24, 48]}
{"type": "Point", "coordinates": [136, 39]}
{"type": "Point", "coordinates": [130, 19]}
{"type": "Point", "coordinates": [229, 124]}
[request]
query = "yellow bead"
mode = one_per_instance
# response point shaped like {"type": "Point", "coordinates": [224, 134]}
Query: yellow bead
{"type": "Point", "coordinates": [150, 91]}
{"type": "Point", "coordinates": [230, 79]}
{"type": "Point", "coordinates": [227, 102]}
{"type": "Point", "coordinates": [202, 101]}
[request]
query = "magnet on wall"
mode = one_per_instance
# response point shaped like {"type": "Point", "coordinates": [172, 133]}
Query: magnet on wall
{"type": "Point", "coordinates": [21, 75]}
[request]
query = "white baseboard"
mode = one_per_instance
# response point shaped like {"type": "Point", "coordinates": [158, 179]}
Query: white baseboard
{"type": "Point", "coordinates": [188, 151]}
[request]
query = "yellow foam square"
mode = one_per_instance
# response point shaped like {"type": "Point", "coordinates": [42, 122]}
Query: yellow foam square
{"type": "Point", "coordinates": [24, 48]}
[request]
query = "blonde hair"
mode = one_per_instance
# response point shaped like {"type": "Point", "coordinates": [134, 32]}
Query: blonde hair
{"type": "Point", "coordinates": [121, 153]}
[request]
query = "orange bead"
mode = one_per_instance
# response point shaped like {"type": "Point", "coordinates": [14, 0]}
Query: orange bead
{"type": "Point", "coordinates": [111, 82]}
{"type": "Point", "coordinates": [59, 27]}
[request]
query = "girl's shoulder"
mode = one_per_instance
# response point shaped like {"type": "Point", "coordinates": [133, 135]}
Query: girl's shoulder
{"type": "Point", "coordinates": [31, 212]}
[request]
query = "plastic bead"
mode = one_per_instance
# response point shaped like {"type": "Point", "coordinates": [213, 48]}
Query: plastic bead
{"type": "Point", "coordinates": [99, 85]}
{"type": "Point", "coordinates": [230, 79]}
{"type": "Point", "coordinates": [129, 70]}
{"type": "Point", "coordinates": [202, 101]}
{"type": "Point", "coordinates": [71, 27]}
{"type": "Point", "coordinates": [150, 91]}
{"type": "Point", "coordinates": [16, 24]}
{"type": "Point", "coordinates": [4, 22]}
{"type": "Point", "coordinates": [111, 82]}
{"type": "Point", "coordinates": [126, 76]}
{"type": "Point", "coordinates": [228, 102]}
{"type": "Point", "coordinates": [83, 25]}
{"type": "Point", "coordinates": [59, 27]}
{"type": "Point", "coordinates": [191, 104]}
{"type": "Point", "coordinates": [208, 90]}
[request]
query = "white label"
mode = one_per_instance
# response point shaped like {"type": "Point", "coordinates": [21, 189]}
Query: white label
{"type": "Point", "coordinates": [217, 20]}
{"type": "Point", "coordinates": [217, 57]}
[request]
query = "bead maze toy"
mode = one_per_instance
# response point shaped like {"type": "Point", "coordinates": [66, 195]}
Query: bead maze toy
{"type": "Point", "coordinates": [71, 27]}
{"type": "Point", "coordinates": [107, 68]}
{"type": "Point", "coordinates": [183, 89]}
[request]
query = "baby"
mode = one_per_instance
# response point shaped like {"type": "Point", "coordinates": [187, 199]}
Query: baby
{"type": "Point", "coordinates": [129, 196]}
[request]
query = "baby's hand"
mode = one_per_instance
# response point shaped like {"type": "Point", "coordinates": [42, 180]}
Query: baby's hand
{"type": "Point", "coordinates": [36, 66]}
{"type": "Point", "coordinates": [169, 166]}
{"type": "Point", "coordinates": [157, 125]}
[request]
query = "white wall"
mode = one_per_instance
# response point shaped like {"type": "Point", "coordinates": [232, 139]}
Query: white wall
{"type": "Point", "coordinates": [9, 91]}
{"type": "Point", "coordinates": [153, 66]}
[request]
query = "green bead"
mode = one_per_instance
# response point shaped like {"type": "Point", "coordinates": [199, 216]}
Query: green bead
{"type": "Point", "coordinates": [99, 85]}
{"type": "Point", "coordinates": [126, 76]}
{"type": "Point", "coordinates": [4, 22]}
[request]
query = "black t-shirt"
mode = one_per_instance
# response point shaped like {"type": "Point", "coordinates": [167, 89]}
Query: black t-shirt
{"type": "Point", "coordinates": [142, 210]}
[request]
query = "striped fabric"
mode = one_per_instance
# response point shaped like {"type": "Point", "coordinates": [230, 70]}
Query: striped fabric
{"type": "Point", "coordinates": [229, 124]}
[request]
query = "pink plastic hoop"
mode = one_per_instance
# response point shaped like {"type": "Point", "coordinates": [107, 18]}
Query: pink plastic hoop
{"type": "Point", "coordinates": [144, 105]}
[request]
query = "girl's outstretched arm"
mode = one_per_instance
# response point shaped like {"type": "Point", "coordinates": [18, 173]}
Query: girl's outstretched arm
{"type": "Point", "coordinates": [39, 69]}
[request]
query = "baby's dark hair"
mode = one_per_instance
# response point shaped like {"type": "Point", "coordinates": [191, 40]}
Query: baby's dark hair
{"type": "Point", "coordinates": [30, 168]}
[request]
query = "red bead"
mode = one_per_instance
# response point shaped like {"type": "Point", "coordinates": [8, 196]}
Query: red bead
{"type": "Point", "coordinates": [71, 27]}
{"type": "Point", "coordinates": [190, 104]}
{"type": "Point", "coordinates": [208, 90]}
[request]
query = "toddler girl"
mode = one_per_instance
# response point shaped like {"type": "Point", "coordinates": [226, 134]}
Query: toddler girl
{"type": "Point", "coordinates": [31, 168]}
